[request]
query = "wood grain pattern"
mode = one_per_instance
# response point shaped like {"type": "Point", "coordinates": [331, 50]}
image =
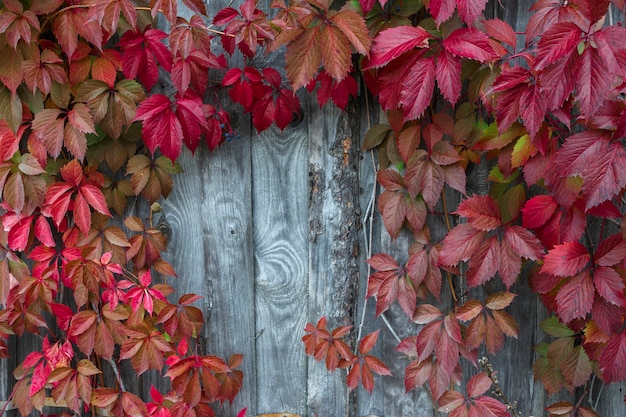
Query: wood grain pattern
{"type": "Point", "coordinates": [280, 215]}
{"type": "Point", "coordinates": [211, 250]}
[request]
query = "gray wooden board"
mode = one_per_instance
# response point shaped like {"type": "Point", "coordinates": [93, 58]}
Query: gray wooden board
{"type": "Point", "coordinates": [280, 215]}
{"type": "Point", "coordinates": [211, 250]}
{"type": "Point", "coordinates": [333, 240]}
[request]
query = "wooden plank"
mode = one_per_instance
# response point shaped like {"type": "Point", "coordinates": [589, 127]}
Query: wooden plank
{"type": "Point", "coordinates": [7, 366]}
{"type": "Point", "coordinates": [209, 215]}
{"type": "Point", "coordinates": [280, 207]}
{"type": "Point", "coordinates": [334, 241]}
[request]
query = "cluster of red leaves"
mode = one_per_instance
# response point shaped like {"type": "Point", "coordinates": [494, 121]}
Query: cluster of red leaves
{"type": "Point", "coordinates": [331, 347]}
{"type": "Point", "coordinates": [551, 117]}
{"type": "Point", "coordinates": [75, 103]}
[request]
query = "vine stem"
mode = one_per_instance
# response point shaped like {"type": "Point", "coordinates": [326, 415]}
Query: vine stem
{"type": "Point", "coordinates": [116, 371]}
{"type": "Point", "coordinates": [592, 403]}
{"type": "Point", "coordinates": [488, 369]}
{"type": "Point", "coordinates": [369, 217]}
{"type": "Point", "coordinates": [6, 403]}
{"type": "Point", "coordinates": [391, 330]}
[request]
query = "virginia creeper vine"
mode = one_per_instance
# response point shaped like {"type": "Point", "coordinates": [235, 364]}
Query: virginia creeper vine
{"type": "Point", "coordinates": [86, 126]}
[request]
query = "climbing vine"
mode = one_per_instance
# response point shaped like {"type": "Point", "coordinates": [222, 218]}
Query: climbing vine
{"type": "Point", "coordinates": [97, 101]}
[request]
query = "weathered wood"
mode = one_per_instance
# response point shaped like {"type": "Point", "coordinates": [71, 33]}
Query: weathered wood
{"type": "Point", "coordinates": [334, 241]}
{"type": "Point", "coordinates": [280, 215]}
{"type": "Point", "coordinates": [211, 249]}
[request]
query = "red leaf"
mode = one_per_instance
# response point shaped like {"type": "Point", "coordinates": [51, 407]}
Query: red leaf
{"type": "Point", "coordinates": [141, 52]}
{"type": "Point", "coordinates": [94, 197]}
{"type": "Point", "coordinates": [613, 359]}
{"type": "Point", "coordinates": [191, 118]}
{"type": "Point", "coordinates": [482, 212]}
{"type": "Point", "coordinates": [161, 127]}
{"type": "Point", "coordinates": [425, 177]}
{"type": "Point", "coordinates": [579, 150]}
{"type": "Point", "coordinates": [508, 107]}
{"type": "Point", "coordinates": [558, 41]}
{"type": "Point", "coordinates": [393, 42]}
{"type": "Point", "coordinates": [532, 109]}
{"type": "Point", "coordinates": [393, 207]}
{"type": "Point", "coordinates": [383, 262]}
{"type": "Point", "coordinates": [593, 10]}
{"type": "Point", "coordinates": [538, 210]}
{"type": "Point", "coordinates": [460, 243]}
{"type": "Point", "coordinates": [609, 285]}
{"type": "Point", "coordinates": [470, 10]}
{"type": "Point", "coordinates": [448, 74]}
{"type": "Point", "coordinates": [478, 385]}
{"type": "Point", "coordinates": [484, 263]}
{"type": "Point", "coordinates": [604, 177]}
{"type": "Point", "coordinates": [523, 242]}
{"type": "Point", "coordinates": [416, 374]}
{"type": "Point", "coordinates": [39, 378]}
{"type": "Point", "coordinates": [490, 407]}
{"type": "Point", "coordinates": [501, 31]}
{"type": "Point", "coordinates": [611, 251]}
{"type": "Point", "coordinates": [82, 322]}
{"type": "Point", "coordinates": [575, 298]}
{"type": "Point", "coordinates": [367, 343]}
{"type": "Point", "coordinates": [198, 7]}
{"type": "Point", "coordinates": [390, 179]}
{"type": "Point", "coordinates": [566, 260]}
{"type": "Point", "coordinates": [470, 43]}
{"type": "Point", "coordinates": [450, 401]}
{"type": "Point", "coordinates": [225, 16]}
{"type": "Point", "coordinates": [426, 313]}
{"type": "Point", "coordinates": [417, 88]}
{"type": "Point", "coordinates": [441, 10]}
{"type": "Point", "coordinates": [593, 83]}
{"type": "Point", "coordinates": [19, 234]}
{"type": "Point", "coordinates": [426, 339]}
{"type": "Point", "coordinates": [447, 350]}
{"type": "Point", "coordinates": [510, 264]}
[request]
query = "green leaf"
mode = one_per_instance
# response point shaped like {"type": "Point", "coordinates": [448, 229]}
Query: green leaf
{"type": "Point", "coordinates": [34, 101]}
{"type": "Point", "coordinates": [375, 136]}
{"type": "Point", "coordinates": [555, 328]}
{"type": "Point", "coordinates": [10, 108]}
{"type": "Point", "coordinates": [60, 94]}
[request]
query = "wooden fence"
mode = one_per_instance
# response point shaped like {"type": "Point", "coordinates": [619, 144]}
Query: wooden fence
{"type": "Point", "coordinates": [272, 230]}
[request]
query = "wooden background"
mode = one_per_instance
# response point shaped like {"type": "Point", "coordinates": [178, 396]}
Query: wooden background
{"type": "Point", "coordinates": [273, 230]}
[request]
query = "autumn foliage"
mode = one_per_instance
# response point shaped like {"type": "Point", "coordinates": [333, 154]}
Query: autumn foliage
{"type": "Point", "coordinates": [87, 125]}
